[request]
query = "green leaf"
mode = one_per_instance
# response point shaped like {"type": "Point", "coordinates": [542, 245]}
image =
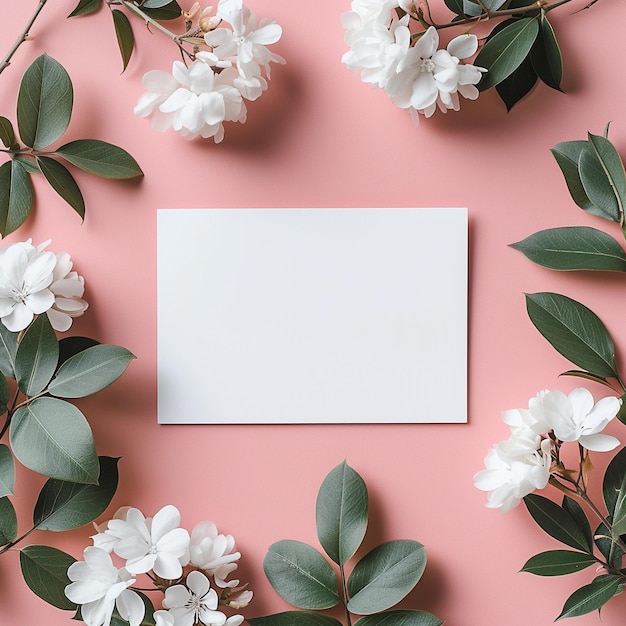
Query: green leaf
{"type": "Point", "coordinates": [7, 471]}
{"type": "Point", "coordinates": [456, 6]}
{"type": "Point", "coordinates": [16, 196]}
{"type": "Point", "coordinates": [170, 11]}
{"type": "Point", "coordinates": [70, 346]}
{"type": "Point", "coordinates": [574, 331]}
{"type": "Point", "coordinates": [546, 56]}
{"type": "Point", "coordinates": [591, 597]}
{"type": "Point", "coordinates": [574, 248]}
{"type": "Point", "coordinates": [619, 513]}
{"type": "Point", "coordinates": [613, 479]}
{"type": "Point", "coordinates": [90, 371]}
{"type": "Point", "coordinates": [400, 618]}
{"type": "Point", "coordinates": [577, 513]}
{"type": "Point", "coordinates": [86, 6]}
{"type": "Point", "coordinates": [503, 53]}
{"type": "Point", "coordinates": [8, 349]}
{"type": "Point", "coordinates": [341, 513]}
{"type": "Point", "coordinates": [8, 522]}
{"type": "Point", "coordinates": [52, 437]}
{"type": "Point", "coordinates": [556, 521]}
{"type": "Point", "coordinates": [608, 548]}
{"type": "Point", "coordinates": [517, 85]}
{"type": "Point", "coordinates": [124, 34]}
{"type": "Point", "coordinates": [64, 505]}
{"type": "Point", "coordinates": [7, 134]}
{"type": "Point", "coordinates": [63, 183]}
{"type": "Point", "coordinates": [558, 563]}
{"type": "Point", "coordinates": [385, 576]}
{"type": "Point", "coordinates": [45, 571]}
{"type": "Point", "coordinates": [4, 394]}
{"type": "Point", "coordinates": [471, 9]}
{"type": "Point", "coordinates": [567, 155]}
{"type": "Point", "coordinates": [155, 4]}
{"type": "Point", "coordinates": [301, 575]}
{"type": "Point", "coordinates": [100, 158]}
{"type": "Point", "coordinates": [29, 164]}
{"type": "Point", "coordinates": [44, 103]}
{"type": "Point", "coordinates": [289, 618]}
{"type": "Point", "coordinates": [37, 357]}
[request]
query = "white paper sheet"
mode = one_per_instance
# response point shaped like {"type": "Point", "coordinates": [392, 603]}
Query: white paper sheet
{"type": "Point", "coordinates": [312, 315]}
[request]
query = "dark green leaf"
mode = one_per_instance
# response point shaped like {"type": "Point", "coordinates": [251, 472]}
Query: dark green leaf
{"type": "Point", "coordinates": [574, 248]}
{"type": "Point", "coordinates": [44, 103]}
{"type": "Point", "coordinates": [63, 505]}
{"type": "Point", "coordinates": [556, 521]}
{"type": "Point", "coordinates": [70, 346]}
{"type": "Point", "coordinates": [90, 371]}
{"type": "Point", "coordinates": [301, 575]}
{"type": "Point", "coordinates": [503, 53]}
{"type": "Point", "coordinates": [8, 522]}
{"type": "Point", "coordinates": [608, 548]}
{"type": "Point", "coordinates": [591, 597]}
{"type": "Point", "coordinates": [619, 513]}
{"type": "Point", "coordinates": [37, 357]}
{"type": "Point", "coordinates": [45, 571]}
{"type": "Point", "coordinates": [558, 563]}
{"type": "Point", "coordinates": [567, 155]}
{"type": "Point", "coordinates": [8, 349]}
{"type": "Point", "coordinates": [518, 84]}
{"type": "Point", "coordinates": [341, 513]}
{"type": "Point", "coordinates": [52, 437]}
{"type": "Point", "coordinates": [124, 34]}
{"type": "Point", "coordinates": [16, 196]}
{"type": "Point", "coordinates": [456, 6]}
{"type": "Point", "coordinates": [4, 394]}
{"type": "Point", "coordinates": [170, 11]}
{"type": "Point", "coordinates": [63, 183]}
{"type": "Point", "coordinates": [86, 6]}
{"type": "Point", "coordinates": [400, 618]}
{"type": "Point", "coordinates": [546, 56]}
{"type": "Point", "coordinates": [155, 4]}
{"type": "Point", "coordinates": [577, 513]}
{"type": "Point", "coordinates": [289, 618]}
{"type": "Point", "coordinates": [7, 471]}
{"type": "Point", "coordinates": [100, 158]}
{"type": "Point", "coordinates": [613, 479]}
{"type": "Point", "coordinates": [384, 576]}
{"type": "Point", "coordinates": [574, 331]}
{"type": "Point", "coordinates": [7, 134]}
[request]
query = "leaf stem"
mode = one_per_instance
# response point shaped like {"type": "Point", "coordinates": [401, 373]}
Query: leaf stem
{"type": "Point", "coordinates": [22, 37]}
{"type": "Point", "coordinates": [344, 589]}
{"type": "Point", "coordinates": [13, 543]}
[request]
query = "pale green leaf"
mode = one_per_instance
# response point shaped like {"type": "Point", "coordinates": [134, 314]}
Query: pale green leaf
{"type": "Point", "coordinates": [8, 349]}
{"type": "Point", "coordinates": [63, 183]}
{"type": "Point", "coordinates": [7, 471]}
{"type": "Point", "coordinates": [100, 158]}
{"type": "Point", "coordinates": [400, 618]}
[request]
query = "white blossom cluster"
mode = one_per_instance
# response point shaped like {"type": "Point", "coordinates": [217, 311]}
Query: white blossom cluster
{"type": "Point", "coordinates": [188, 568]}
{"type": "Point", "coordinates": [196, 100]}
{"type": "Point", "coordinates": [415, 74]}
{"type": "Point", "coordinates": [34, 281]}
{"type": "Point", "coordinates": [522, 463]}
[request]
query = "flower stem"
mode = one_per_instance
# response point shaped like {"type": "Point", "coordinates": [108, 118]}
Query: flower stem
{"type": "Point", "coordinates": [22, 38]}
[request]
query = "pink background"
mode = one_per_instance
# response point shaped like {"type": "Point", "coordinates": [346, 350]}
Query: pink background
{"type": "Point", "coordinates": [321, 138]}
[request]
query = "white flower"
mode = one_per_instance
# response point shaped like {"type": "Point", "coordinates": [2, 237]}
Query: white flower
{"type": "Point", "coordinates": [213, 553]}
{"type": "Point", "coordinates": [68, 289]}
{"type": "Point", "coordinates": [194, 602]}
{"type": "Point", "coordinates": [26, 274]}
{"type": "Point", "coordinates": [99, 587]}
{"type": "Point", "coordinates": [163, 618]}
{"type": "Point", "coordinates": [156, 544]}
{"type": "Point", "coordinates": [575, 417]}
{"type": "Point", "coordinates": [509, 478]}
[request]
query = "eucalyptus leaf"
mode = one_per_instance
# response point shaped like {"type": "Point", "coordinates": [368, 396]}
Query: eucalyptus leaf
{"type": "Point", "coordinates": [45, 571]}
{"type": "Point", "coordinates": [52, 437]}
{"type": "Point", "coordinates": [37, 356]}
{"type": "Point", "coordinates": [574, 248]}
{"type": "Point", "coordinates": [124, 34]}
{"type": "Point", "coordinates": [574, 331]}
{"type": "Point", "coordinates": [503, 53]}
{"type": "Point", "coordinates": [8, 522]}
{"type": "Point", "coordinates": [90, 371]}
{"type": "Point", "coordinates": [44, 103]}
{"type": "Point", "coordinates": [8, 349]}
{"type": "Point", "coordinates": [613, 479]}
{"type": "Point", "coordinates": [63, 183]}
{"type": "Point", "coordinates": [301, 575]}
{"type": "Point", "coordinates": [63, 505]}
{"type": "Point", "coordinates": [546, 56]}
{"type": "Point", "coordinates": [7, 134]}
{"type": "Point", "coordinates": [100, 158]}
{"type": "Point", "coordinates": [556, 521]}
{"type": "Point", "coordinates": [289, 618]}
{"type": "Point", "coordinates": [86, 6]}
{"type": "Point", "coordinates": [558, 563]}
{"type": "Point", "coordinates": [341, 513]}
{"type": "Point", "coordinates": [518, 84]}
{"type": "Point", "coordinates": [384, 576]}
{"type": "Point", "coordinates": [7, 471]}
{"type": "Point", "coordinates": [16, 196]}
{"type": "Point", "coordinates": [400, 618]}
{"type": "Point", "coordinates": [591, 597]}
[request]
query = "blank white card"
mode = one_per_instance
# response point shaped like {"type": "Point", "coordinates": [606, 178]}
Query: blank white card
{"type": "Point", "coordinates": [312, 315]}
